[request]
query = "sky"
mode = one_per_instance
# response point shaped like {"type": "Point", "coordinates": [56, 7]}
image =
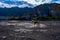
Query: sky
{"type": "Point", "coordinates": [24, 3]}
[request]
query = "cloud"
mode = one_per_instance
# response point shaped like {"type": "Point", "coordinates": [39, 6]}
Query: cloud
{"type": "Point", "coordinates": [37, 3]}
{"type": "Point", "coordinates": [32, 2]}
{"type": "Point", "coordinates": [58, 1]}
{"type": "Point", "coordinates": [4, 5]}
{"type": "Point", "coordinates": [24, 5]}
{"type": "Point", "coordinates": [55, 1]}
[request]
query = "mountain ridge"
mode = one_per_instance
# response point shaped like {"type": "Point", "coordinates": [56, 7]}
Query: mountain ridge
{"type": "Point", "coordinates": [43, 10]}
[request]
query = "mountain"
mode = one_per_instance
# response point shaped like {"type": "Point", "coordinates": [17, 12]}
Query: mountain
{"type": "Point", "coordinates": [43, 10]}
{"type": "Point", "coordinates": [46, 10]}
{"type": "Point", "coordinates": [14, 11]}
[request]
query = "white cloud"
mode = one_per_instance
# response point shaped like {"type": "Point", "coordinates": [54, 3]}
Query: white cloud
{"type": "Point", "coordinates": [32, 2]}
{"type": "Point", "coordinates": [13, 0]}
{"type": "Point", "coordinates": [3, 5]}
{"type": "Point", "coordinates": [22, 6]}
{"type": "Point", "coordinates": [37, 3]}
{"type": "Point", "coordinates": [58, 1]}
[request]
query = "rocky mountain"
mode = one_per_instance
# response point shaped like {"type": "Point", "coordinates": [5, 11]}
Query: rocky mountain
{"type": "Point", "coordinates": [46, 10]}
{"type": "Point", "coordinates": [43, 10]}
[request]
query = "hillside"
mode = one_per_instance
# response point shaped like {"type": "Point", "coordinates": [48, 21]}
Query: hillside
{"type": "Point", "coordinates": [46, 10]}
{"type": "Point", "coordinates": [13, 11]}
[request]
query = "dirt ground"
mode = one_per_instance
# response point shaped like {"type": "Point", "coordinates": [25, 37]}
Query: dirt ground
{"type": "Point", "coordinates": [25, 30]}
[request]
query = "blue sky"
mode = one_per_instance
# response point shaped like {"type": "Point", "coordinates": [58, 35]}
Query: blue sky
{"type": "Point", "coordinates": [25, 3]}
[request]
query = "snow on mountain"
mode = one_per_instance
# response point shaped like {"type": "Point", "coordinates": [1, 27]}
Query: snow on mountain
{"type": "Point", "coordinates": [24, 3]}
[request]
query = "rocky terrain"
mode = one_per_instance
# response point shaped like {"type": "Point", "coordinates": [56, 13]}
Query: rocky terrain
{"type": "Point", "coordinates": [26, 30]}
